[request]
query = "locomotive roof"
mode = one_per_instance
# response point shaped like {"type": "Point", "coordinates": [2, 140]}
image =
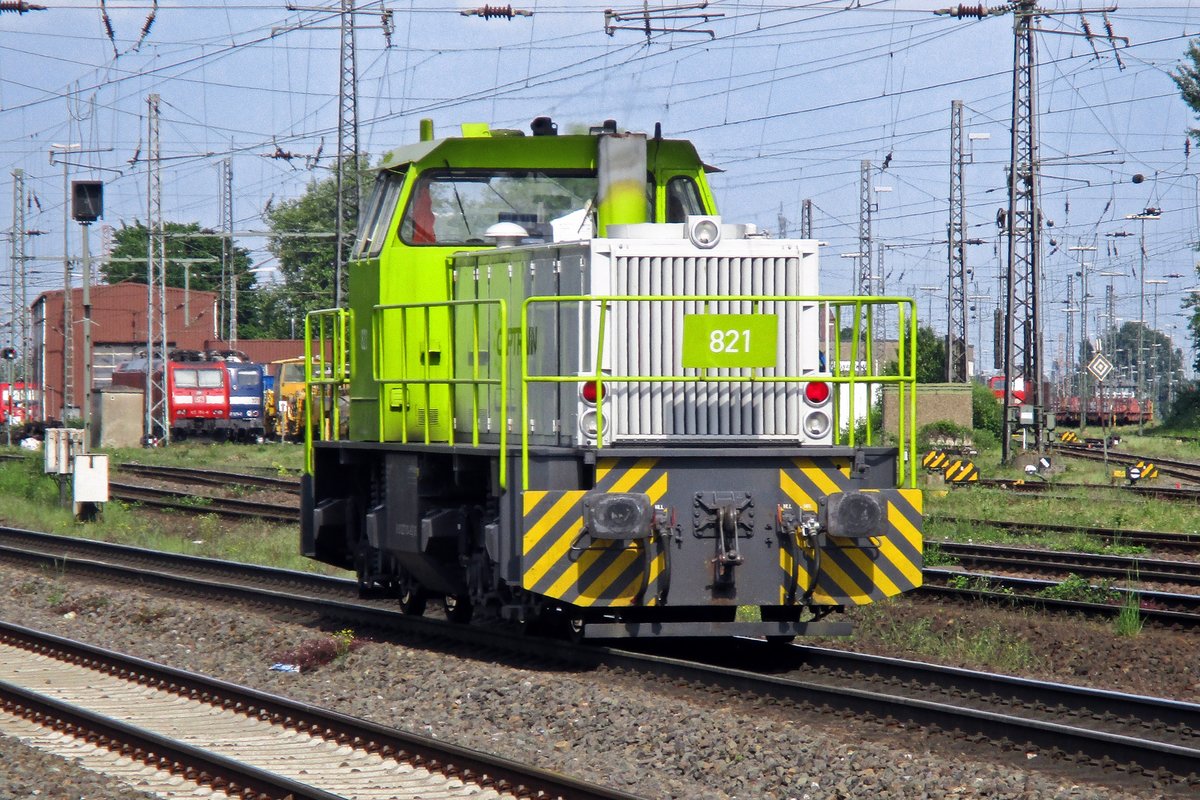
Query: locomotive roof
{"type": "Point", "coordinates": [487, 149]}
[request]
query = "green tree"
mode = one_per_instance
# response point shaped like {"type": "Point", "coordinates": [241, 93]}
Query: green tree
{"type": "Point", "coordinates": [193, 258]}
{"type": "Point", "coordinates": [931, 356]}
{"type": "Point", "coordinates": [1162, 361]}
{"type": "Point", "coordinates": [306, 262]}
{"type": "Point", "coordinates": [1187, 78]}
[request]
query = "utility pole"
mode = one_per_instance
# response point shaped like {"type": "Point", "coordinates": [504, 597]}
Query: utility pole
{"type": "Point", "coordinates": [1022, 221]}
{"type": "Point", "coordinates": [347, 146]}
{"type": "Point", "coordinates": [156, 389]}
{"type": "Point", "coordinates": [68, 373]}
{"type": "Point", "coordinates": [17, 268]}
{"type": "Point", "coordinates": [1084, 389]}
{"type": "Point", "coordinates": [1072, 310]}
{"type": "Point", "coordinates": [227, 267]}
{"type": "Point", "coordinates": [956, 290]}
{"type": "Point", "coordinates": [1148, 213]}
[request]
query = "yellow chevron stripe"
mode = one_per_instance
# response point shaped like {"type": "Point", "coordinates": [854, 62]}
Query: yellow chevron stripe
{"type": "Point", "coordinates": [603, 467]}
{"type": "Point", "coordinates": [818, 476]}
{"type": "Point", "coordinates": [633, 475]}
{"type": "Point", "coordinates": [535, 533]}
{"type": "Point", "coordinates": [657, 489]}
{"type": "Point", "coordinates": [551, 556]}
{"type": "Point", "coordinates": [915, 498]}
{"type": "Point", "coordinates": [532, 498]}
{"type": "Point", "coordinates": [628, 592]}
{"type": "Point", "coordinates": [875, 575]}
{"type": "Point", "coordinates": [848, 588]}
{"type": "Point", "coordinates": [889, 550]}
{"type": "Point", "coordinates": [794, 493]}
{"type": "Point", "coordinates": [591, 593]}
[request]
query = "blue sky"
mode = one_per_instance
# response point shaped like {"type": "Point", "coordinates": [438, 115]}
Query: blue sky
{"type": "Point", "coordinates": [786, 98]}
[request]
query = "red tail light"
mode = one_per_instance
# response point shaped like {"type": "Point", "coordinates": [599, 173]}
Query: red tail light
{"type": "Point", "coordinates": [591, 391]}
{"type": "Point", "coordinates": [816, 392]}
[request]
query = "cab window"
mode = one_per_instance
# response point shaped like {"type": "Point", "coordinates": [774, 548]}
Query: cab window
{"type": "Point", "coordinates": [373, 225]}
{"type": "Point", "coordinates": [456, 207]}
{"type": "Point", "coordinates": [185, 378]}
{"type": "Point", "coordinates": [683, 198]}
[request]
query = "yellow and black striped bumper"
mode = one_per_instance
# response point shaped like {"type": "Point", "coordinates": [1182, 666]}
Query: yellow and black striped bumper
{"type": "Point", "coordinates": [848, 572]}
{"type": "Point", "coordinates": [685, 562]}
{"type": "Point", "coordinates": [559, 560]}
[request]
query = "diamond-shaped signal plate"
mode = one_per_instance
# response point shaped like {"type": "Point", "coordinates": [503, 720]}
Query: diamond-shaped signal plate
{"type": "Point", "coordinates": [1100, 367]}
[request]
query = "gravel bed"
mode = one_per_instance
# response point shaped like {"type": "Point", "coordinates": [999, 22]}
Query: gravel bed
{"type": "Point", "coordinates": [611, 728]}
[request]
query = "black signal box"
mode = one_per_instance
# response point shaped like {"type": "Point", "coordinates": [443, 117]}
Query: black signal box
{"type": "Point", "coordinates": [87, 200]}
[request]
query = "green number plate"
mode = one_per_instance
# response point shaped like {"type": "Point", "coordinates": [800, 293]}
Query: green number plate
{"type": "Point", "coordinates": [728, 341]}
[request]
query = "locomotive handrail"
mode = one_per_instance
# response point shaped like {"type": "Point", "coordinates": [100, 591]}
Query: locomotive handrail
{"type": "Point", "coordinates": [475, 381]}
{"type": "Point", "coordinates": [331, 325]}
{"type": "Point", "coordinates": [905, 379]}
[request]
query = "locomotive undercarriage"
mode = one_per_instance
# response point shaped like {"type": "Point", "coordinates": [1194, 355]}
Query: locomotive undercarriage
{"type": "Point", "coordinates": [429, 522]}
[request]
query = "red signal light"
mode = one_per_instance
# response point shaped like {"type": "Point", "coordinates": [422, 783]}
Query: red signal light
{"type": "Point", "coordinates": [816, 392]}
{"type": "Point", "coordinates": [591, 391]}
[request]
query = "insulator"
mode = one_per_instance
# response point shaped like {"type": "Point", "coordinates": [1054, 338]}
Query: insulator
{"type": "Point", "coordinates": [498, 11]}
{"type": "Point", "coordinates": [978, 12]}
{"type": "Point", "coordinates": [19, 6]}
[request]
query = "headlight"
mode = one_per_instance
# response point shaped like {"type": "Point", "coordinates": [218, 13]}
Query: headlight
{"type": "Point", "coordinates": [856, 515]}
{"type": "Point", "coordinates": [816, 424]}
{"type": "Point", "coordinates": [704, 232]}
{"type": "Point", "coordinates": [617, 515]}
{"type": "Point", "coordinates": [589, 423]}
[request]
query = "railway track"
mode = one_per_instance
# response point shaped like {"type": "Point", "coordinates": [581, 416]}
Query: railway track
{"type": "Point", "coordinates": [1158, 540]}
{"type": "Point", "coordinates": [211, 477]}
{"type": "Point", "coordinates": [1146, 735]}
{"type": "Point", "coordinates": [1120, 568]}
{"type": "Point", "coordinates": [1050, 490]}
{"type": "Point", "coordinates": [202, 504]}
{"type": "Point", "coordinates": [242, 741]}
{"type": "Point", "coordinates": [1185, 470]}
{"type": "Point", "coordinates": [1166, 609]}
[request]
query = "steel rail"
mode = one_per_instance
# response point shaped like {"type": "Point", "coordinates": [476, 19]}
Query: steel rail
{"type": "Point", "coordinates": [1141, 570]}
{"type": "Point", "coordinates": [210, 476]}
{"type": "Point", "coordinates": [1187, 470]}
{"type": "Point", "coordinates": [1159, 539]}
{"type": "Point", "coordinates": [471, 766]}
{"type": "Point", "coordinates": [1161, 608]}
{"type": "Point", "coordinates": [202, 504]}
{"type": "Point", "coordinates": [1048, 488]}
{"type": "Point", "coordinates": [1102, 747]}
{"type": "Point", "coordinates": [220, 773]}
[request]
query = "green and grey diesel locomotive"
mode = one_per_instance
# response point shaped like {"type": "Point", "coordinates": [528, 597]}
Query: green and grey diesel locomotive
{"type": "Point", "coordinates": [565, 391]}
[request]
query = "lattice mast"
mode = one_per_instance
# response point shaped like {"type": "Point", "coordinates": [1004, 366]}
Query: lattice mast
{"type": "Point", "coordinates": [956, 290]}
{"type": "Point", "coordinates": [1069, 373]}
{"type": "Point", "coordinates": [806, 220]}
{"type": "Point", "coordinates": [1023, 343]}
{"type": "Point", "coordinates": [18, 320]}
{"type": "Point", "coordinates": [156, 280]}
{"type": "Point", "coordinates": [228, 274]}
{"type": "Point", "coordinates": [347, 148]}
{"type": "Point", "coordinates": [864, 235]}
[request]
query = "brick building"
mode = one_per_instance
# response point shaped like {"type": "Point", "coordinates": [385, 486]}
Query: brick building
{"type": "Point", "coordinates": [118, 331]}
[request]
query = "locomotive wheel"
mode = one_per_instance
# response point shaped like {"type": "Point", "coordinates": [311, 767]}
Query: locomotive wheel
{"type": "Point", "coordinates": [413, 598]}
{"type": "Point", "coordinates": [457, 608]}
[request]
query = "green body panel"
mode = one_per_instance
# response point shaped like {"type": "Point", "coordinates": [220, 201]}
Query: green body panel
{"type": "Point", "coordinates": [405, 273]}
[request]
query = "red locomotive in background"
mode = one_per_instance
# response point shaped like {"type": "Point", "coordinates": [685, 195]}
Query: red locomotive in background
{"type": "Point", "coordinates": [197, 391]}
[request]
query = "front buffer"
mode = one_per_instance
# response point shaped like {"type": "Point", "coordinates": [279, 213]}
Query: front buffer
{"type": "Point", "coordinates": [672, 542]}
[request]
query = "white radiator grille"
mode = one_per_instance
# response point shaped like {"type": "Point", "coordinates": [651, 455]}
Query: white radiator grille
{"type": "Point", "coordinates": [645, 339]}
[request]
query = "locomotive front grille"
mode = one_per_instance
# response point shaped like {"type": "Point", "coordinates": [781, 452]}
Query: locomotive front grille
{"type": "Point", "coordinates": [645, 339]}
